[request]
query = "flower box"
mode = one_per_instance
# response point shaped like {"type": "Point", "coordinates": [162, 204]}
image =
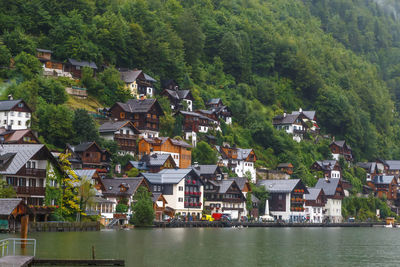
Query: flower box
{"type": "Point", "coordinates": [191, 204]}
{"type": "Point", "coordinates": [194, 182]}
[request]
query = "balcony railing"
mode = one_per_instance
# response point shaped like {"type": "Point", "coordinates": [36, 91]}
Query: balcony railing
{"type": "Point", "coordinates": [193, 205]}
{"type": "Point", "coordinates": [27, 190]}
{"type": "Point", "coordinates": [125, 136]}
{"type": "Point", "coordinates": [34, 172]}
{"type": "Point", "coordinates": [192, 193]}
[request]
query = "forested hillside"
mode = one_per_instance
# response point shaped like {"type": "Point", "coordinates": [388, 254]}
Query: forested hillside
{"type": "Point", "coordinates": [262, 57]}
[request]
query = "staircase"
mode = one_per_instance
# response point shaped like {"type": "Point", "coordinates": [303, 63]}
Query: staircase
{"type": "Point", "coordinates": [112, 223]}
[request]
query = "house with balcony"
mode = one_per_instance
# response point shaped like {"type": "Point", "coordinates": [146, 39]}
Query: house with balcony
{"type": "Point", "coordinates": [182, 189]}
{"type": "Point", "coordinates": [244, 186]}
{"type": "Point", "coordinates": [137, 82]}
{"type": "Point", "coordinates": [15, 114]}
{"type": "Point", "coordinates": [194, 123]}
{"type": "Point", "coordinates": [330, 168]}
{"type": "Point", "coordinates": [239, 160]}
{"type": "Point", "coordinates": [384, 186]}
{"type": "Point", "coordinates": [179, 150]}
{"type": "Point", "coordinates": [219, 110]}
{"type": "Point", "coordinates": [26, 168]}
{"type": "Point", "coordinates": [372, 169]}
{"type": "Point", "coordinates": [144, 113]}
{"type": "Point", "coordinates": [314, 205]}
{"type": "Point", "coordinates": [26, 136]}
{"type": "Point", "coordinates": [159, 205]}
{"type": "Point", "coordinates": [225, 196]}
{"type": "Point", "coordinates": [89, 156]}
{"type": "Point", "coordinates": [341, 149]}
{"type": "Point", "coordinates": [334, 193]}
{"type": "Point", "coordinates": [121, 190]}
{"type": "Point", "coordinates": [297, 123]}
{"type": "Point", "coordinates": [287, 199]}
{"type": "Point", "coordinates": [179, 99]}
{"type": "Point", "coordinates": [75, 67]}
{"type": "Point", "coordinates": [152, 163]}
{"type": "Point", "coordinates": [390, 167]}
{"type": "Point", "coordinates": [123, 132]}
{"type": "Point", "coordinates": [50, 66]}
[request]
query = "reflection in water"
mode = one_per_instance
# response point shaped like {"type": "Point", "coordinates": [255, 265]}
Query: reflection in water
{"type": "Point", "coordinates": [230, 246]}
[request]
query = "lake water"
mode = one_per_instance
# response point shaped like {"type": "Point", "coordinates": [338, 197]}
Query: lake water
{"type": "Point", "coordinates": [230, 246]}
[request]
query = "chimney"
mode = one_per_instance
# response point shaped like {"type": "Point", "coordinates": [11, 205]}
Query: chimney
{"type": "Point", "coordinates": [196, 166]}
{"type": "Point", "coordinates": [333, 138]}
{"type": "Point", "coordinates": [10, 97]}
{"type": "Point", "coordinates": [300, 110]}
{"type": "Point", "coordinates": [284, 114]}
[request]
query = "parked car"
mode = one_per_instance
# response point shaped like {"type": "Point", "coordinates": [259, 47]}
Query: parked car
{"type": "Point", "coordinates": [267, 218]}
{"type": "Point", "coordinates": [207, 217]}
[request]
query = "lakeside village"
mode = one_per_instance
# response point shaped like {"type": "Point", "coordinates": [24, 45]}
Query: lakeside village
{"type": "Point", "coordinates": [178, 187]}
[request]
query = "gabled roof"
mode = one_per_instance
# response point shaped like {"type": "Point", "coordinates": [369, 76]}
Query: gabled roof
{"type": "Point", "coordinates": [224, 185]}
{"type": "Point", "coordinates": [383, 179]}
{"type": "Point", "coordinates": [6, 105]}
{"type": "Point", "coordinates": [313, 193]}
{"type": "Point", "coordinates": [43, 50]}
{"type": "Point", "coordinates": [393, 164]}
{"type": "Point", "coordinates": [129, 76]}
{"type": "Point", "coordinates": [368, 166]}
{"type": "Point", "coordinates": [328, 185]}
{"type": "Point", "coordinates": [195, 114]}
{"type": "Point", "coordinates": [8, 205]}
{"type": "Point", "coordinates": [82, 63]}
{"type": "Point", "coordinates": [113, 126]}
{"type": "Point", "coordinates": [243, 153]}
{"type": "Point", "coordinates": [139, 105]}
{"type": "Point", "coordinates": [205, 169]}
{"type": "Point", "coordinates": [341, 143]}
{"type": "Point", "coordinates": [13, 136]}
{"type": "Point", "coordinates": [156, 196]}
{"type": "Point", "coordinates": [291, 118]}
{"type": "Point", "coordinates": [309, 114]}
{"type": "Point", "coordinates": [279, 186]}
{"type": "Point", "coordinates": [240, 181]}
{"type": "Point", "coordinates": [178, 94]}
{"type": "Point", "coordinates": [213, 101]}
{"type": "Point", "coordinates": [149, 78]}
{"type": "Point", "coordinates": [327, 165]}
{"type": "Point", "coordinates": [89, 173]}
{"type": "Point", "coordinates": [14, 157]}
{"type": "Point", "coordinates": [112, 186]}
{"type": "Point", "coordinates": [153, 160]}
{"type": "Point", "coordinates": [83, 146]}
{"type": "Point", "coordinates": [167, 176]}
{"type": "Point", "coordinates": [162, 140]}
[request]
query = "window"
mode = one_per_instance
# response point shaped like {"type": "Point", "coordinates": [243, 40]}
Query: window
{"type": "Point", "coordinates": [180, 188]}
{"type": "Point", "coordinates": [11, 122]}
{"type": "Point", "coordinates": [19, 122]}
{"type": "Point", "coordinates": [32, 182]}
{"type": "Point", "coordinates": [122, 115]}
{"type": "Point", "coordinates": [180, 199]}
{"type": "Point", "coordinates": [154, 188]}
{"type": "Point", "coordinates": [20, 105]}
{"type": "Point", "coordinates": [5, 122]}
{"type": "Point", "coordinates": [280, 197]}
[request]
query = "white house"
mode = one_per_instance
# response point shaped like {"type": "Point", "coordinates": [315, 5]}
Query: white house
{"type": "Point", "coordinates": [297, 123]}
{"type": "Point", "coordinates": [314, 206]}
{"type": "Point", "coordinates": [240, 161]}
{"type": "Point", "coordinates": [334, 192]}
{"type": "Point", "coordinates": [138, 82]}
{"type": "Point", "coordinates": [181, 188]}
{"type": "Point", "coordinates": [286, 200]}
{"type": "Point", "coordinates": [15, 114]}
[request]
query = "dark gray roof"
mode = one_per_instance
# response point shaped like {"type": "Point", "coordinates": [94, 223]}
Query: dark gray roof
{"type": "Point", "coordinates": [82, 63]}
{"type": "Point", "coordinates": [313, 193]}
{"type": "Point", "coordinates": [224, 185]}
{"type": "Point", "coordinates": [341, 143]}
{"type": "Point", "coordinates": [129, 76]}
{"type": "Point", "coordinates": [383, 179]}
{"type": "Point", "coordinates": [113, 185]}
{"type": "Point", "coordinates": [8, 104]}
{"type": "Point", "coordinates": [43, 50]}
{"type": "Point", "coordinates": [279, 186]}
{"type": "Point", "coordinates": [178, 94]}
{"type": "Point", "coordinates": [240, 181]}
{"type": "Point", "coordinates": [328, 185]}
{"type": "Point", "coordinates": [195, 114]}
{"type": "Point", "coordinates": [288, 119]}
{"type": "Point", "coordinates": [7, 205]}
{"type": "Point", "coordinates": [393, 164]}
{"type": "Point", "coordinates": [81, 147]}
{"type": "Point", "coordinates": [155, 196]}
{"type": "Point", "coordinates": [368, 166]}
{"type": "Point", "coordinates": [327, 164]}
{"type": "Point", "coordinates": [15, 156]}
{"type": "Point", "coordinates": [149, 78]}
{"type": "Point", "coordinates": [113, 126]}
{"type": "Point", "coordinates": [154, 160]}
{"type": "Point", "coordinates": [140, 165]}
{"type": "Point", "coordinates": [243, 153]}
{"type": "Point", "coordinates": [167, 176]}
{"type": "Point", "coordinates": [214, 101]}
{"type": "Point", "coordinates": [138, 105]}
{"type": "Point", "coordinates": [101, 200]}
{"type": "Point", "coordinates": [205, 169]}
{"type": "Point", "coordinates": [309, 114]}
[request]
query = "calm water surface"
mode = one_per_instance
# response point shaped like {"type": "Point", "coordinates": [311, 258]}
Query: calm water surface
{"type": "Point", "coordinates": [230, 247]}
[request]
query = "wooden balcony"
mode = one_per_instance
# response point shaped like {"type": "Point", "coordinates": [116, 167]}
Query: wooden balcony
{"type": "Point", "coordinates": [33, 172]}
{"type": "Point", "coordinates": [125, 136]}
{"type": "Point", "coordinates": [27, 190]}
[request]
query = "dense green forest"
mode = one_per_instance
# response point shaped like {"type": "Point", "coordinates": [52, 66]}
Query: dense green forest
{"type": "Point", "coordinates": [262, 57]}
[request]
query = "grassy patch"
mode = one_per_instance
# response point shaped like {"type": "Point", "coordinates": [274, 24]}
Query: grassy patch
{"type": "Point", "coordinates": [90, 104]}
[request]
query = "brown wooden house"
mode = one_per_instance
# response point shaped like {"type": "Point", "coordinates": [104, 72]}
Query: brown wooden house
{"type": "Point", "coordinates": [159, 202]}
{"type": "Point", "coordinates": [179, 150]}
{"type": "Point", "coordinates": [17, 136]}
{"type": "Point", "coordinates": [178, 98]}
{"type": "Point", "coordinates": [286, 168]}
{"type": "Point", "coordinates": [75, 67]}
{"type": "Point", "coordinates": [341, 149]}
{"type": "Point", "coordinates": [123, 132]}
{"type": "Point", "coordinates": [89, 156]}
{"type": "Point", "coordinates": [330, 168]}
{"type": "Point", "coordinates": [144, 113]}
{"type": "Point", "coordinates": [384, 185]}
{"type": "Point", "coordinates": [152, 163]}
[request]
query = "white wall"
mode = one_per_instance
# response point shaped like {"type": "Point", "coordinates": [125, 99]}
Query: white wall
{"type": "Point", "coordinates": [334, 210]}
{"type": "Point", "coordinates": [17, 120]}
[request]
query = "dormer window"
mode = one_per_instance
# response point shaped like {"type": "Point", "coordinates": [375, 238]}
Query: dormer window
{"type": "Point", "coordinates": [20, 105]}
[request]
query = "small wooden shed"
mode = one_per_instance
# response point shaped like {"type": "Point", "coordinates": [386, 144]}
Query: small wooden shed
{"type": "Point", "coordinates": [11, 212]}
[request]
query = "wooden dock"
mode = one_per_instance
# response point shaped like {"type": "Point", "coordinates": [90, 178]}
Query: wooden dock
{"type": "Point", "coordinates": [219, 224]}
{"type": "Point", "coordinates": [73, 262]}
{"type": "Point", "coordinates": [16, 261]}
